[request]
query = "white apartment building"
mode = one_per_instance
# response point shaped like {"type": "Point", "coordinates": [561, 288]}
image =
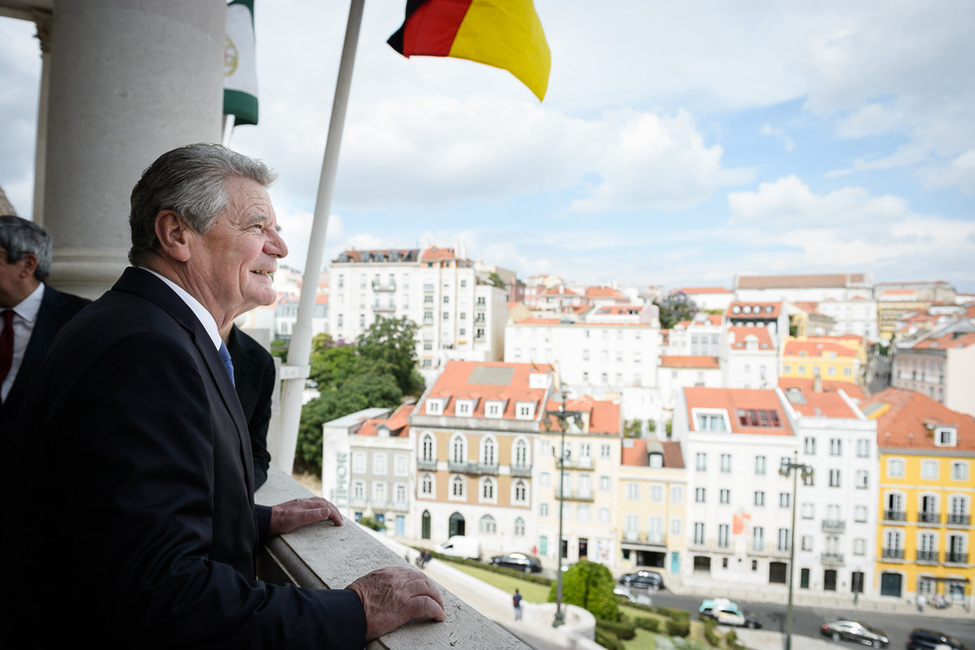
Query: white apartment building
{"type": "Point", "coordinates": [337, 438]}
{"type": "Point", "coordinates": [804, 288]}
{"type": "Point", "coordinates": [749, 358]}
{"type": "Point", "coordinates": [677, 372]}
{"type": "Point", "coordinates": [700, 336]}
{"type": "Point", "coordinates": [837, 506]}
{"type": "Point", "coordinates": [600, 359]}
{"type": "Point", "coordinates": [939, 364]}
{"type": "Point", "coordinates": [739, 509]}
{"type": "Point", "coordinates": [459, 313]}
{"type": "Point", "coordinates": [854, 316]}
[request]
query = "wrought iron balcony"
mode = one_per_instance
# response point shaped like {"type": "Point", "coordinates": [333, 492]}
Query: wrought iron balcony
{"type": "Point", "coordinates": [959, 520]}
{"type": "Point", "coordinates": [834, 525]}
{"type": "Point", "coordinates": [892, 554]}
{"type": "Point", "coordinates": [426, 465]}
{"type": "Point", "coordinates": [895, 515]}
{"type": "Point", "coordinates": [956, 557]}
{"type": "Point", "coordinates": [521, 470]}
{"type": "Point", "coordinates": [832, 559]}
{"type": "Point", "coordinates": [379, 285]}
{"type": "Point", "coordinates": [930, 557]}
{"type": "Point", "coordinates": [928, 517]}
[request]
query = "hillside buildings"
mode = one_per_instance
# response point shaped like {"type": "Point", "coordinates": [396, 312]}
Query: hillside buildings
{"type": "Point", "coordinates": [940, 364]}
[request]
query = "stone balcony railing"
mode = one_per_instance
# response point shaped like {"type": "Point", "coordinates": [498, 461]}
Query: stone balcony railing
{"type": "Point", "coordinates": [324, 556]}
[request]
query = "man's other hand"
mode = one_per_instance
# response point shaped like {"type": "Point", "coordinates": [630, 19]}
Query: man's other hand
{"type": "Point", "coordinates": [296, 513]}
{"type": "Point", "coordinates": [395, 595]}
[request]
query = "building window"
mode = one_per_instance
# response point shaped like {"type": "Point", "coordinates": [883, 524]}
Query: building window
{"type": "Point", "coordinates": [859, 546]}
{"type": "Point", "coordinates": [656, 493]}
{"type": "Point", "coordinates": [809, 446]}
{"type": "Point", "coordinates": [808, 511]}
{"type": "Point", "coordinates": [860, 514]}
{"type": "Point", "coordinates": [835, 447]}
{"type": "Point", "coordinates": [895, 467]}
{"type": "Point", "coordinates": [758, 538]}
{"type": "Point", "coordinates": [724, 496]}
{"type": "Point", "coordinates": [487, 489]}
{"type": "Point", "coordinates": [426, 485]}
{"type": "Point", "coordinates": [959, 471]}
{"type": "Point", "coordinates": [945, 436]}
{"type": "Point", "coordinates": [785, 500]}
{"type": "Point", "coordinates": [488, 457]}
{"type": "Point", "coordinates": [488, 525]}
{"type": "Point", "coordinates": [834, 478]}
{"type": "Point", "coordinates": [633, 491]}
{"type": "Point", "coordinates": [710, 420]}
{"type": "Point", "coordinates": [521, 492]}
{"type": "Point", "coordinates": [863, 448]}
{"type": "Point", "coordinates": [519, 527]}
{"type": "Point", "coordinates": [457, 487]}
{"type": "Point", "coordinates": [759, 498]}
{"type": "Point", "coordinates": [676, 494]}
{"type": "Point", "coordinates": [929, 470]}
{"type": "Point", "coordinates": [543, 510]}
{"type": "Point", "coordinates": [726, 463]}
{"type": "Point", "coordinates": [862, 479]}
{"type": "Point", "coordinates": [699, 495]}
{"type": "Point", "coordinates": [698, 532]}
{"type": "Point", "coordinates": [759, 464]}
{"type": "Point", "coordinates": [701, 462]}
{"type": "Point", "coordinates": [458, 449]}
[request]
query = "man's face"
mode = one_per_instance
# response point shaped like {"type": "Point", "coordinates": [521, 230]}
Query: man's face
{"type": "Point", "coordinates": [231, 265]}
{"type": "Point", "coordinates": [16, 279]}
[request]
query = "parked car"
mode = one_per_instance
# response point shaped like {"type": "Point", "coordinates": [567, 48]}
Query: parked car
{"type": "Point", "coordinates": [623, 592]}
{"type": "Point", "coordinates": [726, 612]}
{"type": "Point", "coordinates": [520, 561]}
{"type": "Point", "coordinates": [923, 639]}
{"type": "Point", "coordinates": [854, 631]}
{"type": "Point", "coordinates": [642, 580]}
{"type": "Point", "coordinates": [460, 546]}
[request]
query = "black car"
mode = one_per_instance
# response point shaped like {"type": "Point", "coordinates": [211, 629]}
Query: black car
{"type": "Point", "coordinates": [520, 561]}
{"type": "Point", "coordinates": [922, 639]}
{"type": "Point", "coordinates": [847, 630]}
{"type": "Point", "coordinates": [642, 580]}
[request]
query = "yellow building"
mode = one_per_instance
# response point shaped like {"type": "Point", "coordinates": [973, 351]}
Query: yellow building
{"type": "Point", "coordinates": [927, 489]}
{"type": "Point", "coordinates": [651, 484]}
{"type": "Point", "coordinates": [832, 358]}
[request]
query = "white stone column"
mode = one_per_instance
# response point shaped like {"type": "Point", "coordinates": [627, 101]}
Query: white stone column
{"type": "Point", "coordinates": [129, 80]}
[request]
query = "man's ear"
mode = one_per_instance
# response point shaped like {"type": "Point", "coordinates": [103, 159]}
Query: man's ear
{"type": "Point", "coordinates": [29, 261]}
{"type": "Point", "coordinates": [173, 235]}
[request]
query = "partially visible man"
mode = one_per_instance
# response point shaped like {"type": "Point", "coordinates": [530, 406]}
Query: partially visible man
{"type": "Point", "coordinates": [255, 381]}
{"type": "Point", "coordinates": [31, 312]}
{"type": "Point", "coordinates": [143, 528]}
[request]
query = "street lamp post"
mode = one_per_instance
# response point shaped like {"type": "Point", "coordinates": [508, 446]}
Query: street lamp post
{"type": "Point", "coordinates": [563, 415]}
{"type": "Point", "coordinates": [795, 468]}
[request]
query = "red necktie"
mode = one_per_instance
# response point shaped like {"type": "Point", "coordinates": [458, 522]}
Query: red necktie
{"type": "Point", "coordinates": [6, 344]}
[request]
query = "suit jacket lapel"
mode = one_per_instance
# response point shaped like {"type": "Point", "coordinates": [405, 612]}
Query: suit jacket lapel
{"type": "Point", "coordinates": [155, 290]}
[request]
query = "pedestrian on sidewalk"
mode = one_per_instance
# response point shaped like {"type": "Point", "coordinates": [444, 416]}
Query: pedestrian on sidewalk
{"type": "Point", "coordinates": [516, 600]}
{"type": "Point", "coordinates": [920, 602]}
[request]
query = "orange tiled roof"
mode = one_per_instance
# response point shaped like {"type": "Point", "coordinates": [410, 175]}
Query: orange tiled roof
{"type": "Point", "coordinates": [829, 405]}
{"type": "Point", "coordinates": [604, 416]}
{"type": "Point", "coordinates": [397, 423]}
{"type": "Point", "coordinates": [433, 254]}
{"type": "Point", "coordinates": [731, 400]}
{"type": "Point", "coordinates": [688, 361]}
{"type": "Point", "coordinates": [815, 349]}
{"type": "Point", "coordinates": [603, 292]}
{"type": "Point", "coordinates": [638, 456]}
{"type": "Point", "coordinates": [946, 342]}
{"type": "Point", "coordinates": [693, 290]}
{"type": "Point", "coordinates": [838, 280]}
{"type": "Point", "coordinates": [829, 386]}
{"type": "Point", "coordinates": [538, 321]}
{"type": "Point", "coordinates": [742, 333]}
{"type": "Point", "coordinates": [455, 382]}
{"type": "Point", "coordinates": [904, 423]}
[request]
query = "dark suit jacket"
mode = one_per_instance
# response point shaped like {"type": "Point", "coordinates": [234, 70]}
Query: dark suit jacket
{"type": "Point", "coordinates": [255, 382]}
{"type": "Point", "coordinates": [142, 528]}
{"type": "Point", "coordinates": [57, 308]}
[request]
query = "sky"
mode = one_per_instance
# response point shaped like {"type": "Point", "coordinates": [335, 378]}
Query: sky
{"type": "Point", "coordinates": [679, 143]}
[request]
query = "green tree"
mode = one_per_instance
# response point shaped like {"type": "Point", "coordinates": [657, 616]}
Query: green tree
{"type": "Point", "coordinates": [496, 280]}
{"type": "Point", "coordinates": [633, 428]}
{"type": "Point", "coordinates": [675, 308]}
{"type": "Point", "coordinates": [590, 586]}
{"type": "Point", "coordinates": [389, 345]}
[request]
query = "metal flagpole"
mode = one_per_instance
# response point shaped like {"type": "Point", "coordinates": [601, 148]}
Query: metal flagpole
{"type": "Point", "coordinates": [293, 374]}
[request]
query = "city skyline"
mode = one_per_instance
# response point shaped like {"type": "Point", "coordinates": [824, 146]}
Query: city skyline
{"type": "Point", "coordinates": [837, 140]}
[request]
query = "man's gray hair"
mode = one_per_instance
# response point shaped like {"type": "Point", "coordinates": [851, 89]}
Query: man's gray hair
{"type": "Point", "coordinates": [190, 181]}
{"type": "Point", "coordinates": [20, 237]}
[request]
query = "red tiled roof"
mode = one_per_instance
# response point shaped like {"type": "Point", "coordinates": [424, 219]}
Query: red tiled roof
{"type": "Point", "coordinates": [397, 423]}
{"type": "Point", "coordinates": [838, 280]}
{"type": "Point", "coordinates": [688, 361]}
{"type": "Point", "coordinates": [455, 383]}
{"type": "Point", "coordinates": [904, 425]}
{"type": "Point", "coordinates": [741, 335]}
{"type": "Point", "coordinates": [829, 405]}
{"type": "Point", "coordinates": [829, 386]}
{"type": "Point", "coordinates": [815, 349]}
{"type": "Point", "coordinates": [538, 321]}
{"type": "Point", "coordinates": [433, 254]}
{"type": "Point", "coordinates": [731, 400]}
{"type": "Point", "coordinates": [603, 292]}
{"type": "Point", "coordinates": [638, 456]}
{"type": "Point", "coordinates": [692, 290]}
{"type": "Point", "coordinates": [946, 342]}
{"type": "Point", "coordinates": [604, 416]}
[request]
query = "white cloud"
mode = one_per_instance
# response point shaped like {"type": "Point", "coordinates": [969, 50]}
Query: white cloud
{"type": "Point", "coordinates": [779, 134]}
{"type": "Point", "coordinates": [959, 173]}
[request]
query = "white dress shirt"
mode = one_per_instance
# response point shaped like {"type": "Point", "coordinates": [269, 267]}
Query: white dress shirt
{"type": "Point", "coordinates": [25, 317]}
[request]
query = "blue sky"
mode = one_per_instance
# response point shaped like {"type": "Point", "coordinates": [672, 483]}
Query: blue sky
{"type": "Point", "coordinates": [679, 144]}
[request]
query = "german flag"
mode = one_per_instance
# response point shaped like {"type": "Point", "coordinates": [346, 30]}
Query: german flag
{"type": "Point", "coordinates": [501, 33]}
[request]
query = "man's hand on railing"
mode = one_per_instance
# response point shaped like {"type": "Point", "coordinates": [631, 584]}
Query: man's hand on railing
{"type": "Point", "coordinates": [296, 513]}
{"type": "Point", "coordinates": [393, 596]}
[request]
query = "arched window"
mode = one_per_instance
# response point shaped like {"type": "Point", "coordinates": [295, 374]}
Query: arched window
{"type": "Point", "coordinates": [487, 489]}
{"type": "Point", "coordinates": [458, 449]}
{"type": "Point", "coordinates": [457, 487]}
{"type": "Point", "coordinates": [488, 525]}
{"type": "Point", "coordinates": [428, 447]}
{"type": "Point", "coordinates": [519, 527]}
{"type": "Point", "coordinates": [488, 456]}
{"type": "Point", "coordinates": [521, 453]}
{"type": "Point", "coordinates": [426, 485]}
{"type": "Point", "coordinates": [519, 492]}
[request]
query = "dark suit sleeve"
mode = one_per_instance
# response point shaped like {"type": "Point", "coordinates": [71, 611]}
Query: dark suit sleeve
{"type": "Point", "coordinates": [152, 474]}
{"type": "Point", "coordinates": [258, 422]}
{"type": "Point", "coordinates": [255, 383]}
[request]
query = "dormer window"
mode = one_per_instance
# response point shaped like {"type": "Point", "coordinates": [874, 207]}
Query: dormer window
{"type": "Point", "coordinates": [711, 420]}
{"type": "Point", "coordinates": [525, 410]}
{"type": "Point", "coordinates": [656, 460]}
{"type": "Point", "coordinates": [494, 409]}
{"type": "Point", "coordinates": [435, 406]}
{"type": "Point", "coordinates": [465, 407]}
{"type": "Point", "coordinates": [945, 436]}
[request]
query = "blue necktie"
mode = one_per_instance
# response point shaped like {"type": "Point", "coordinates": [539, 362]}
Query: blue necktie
{"type": "Point", "coordinates": [227, 363]}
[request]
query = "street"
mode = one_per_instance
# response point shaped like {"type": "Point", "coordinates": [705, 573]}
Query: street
{"type": "Point", "coordinates": [807, 620]}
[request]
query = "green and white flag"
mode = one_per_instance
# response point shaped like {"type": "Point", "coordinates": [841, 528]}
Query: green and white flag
{"type": "Point", "coordinates": [240, 64]}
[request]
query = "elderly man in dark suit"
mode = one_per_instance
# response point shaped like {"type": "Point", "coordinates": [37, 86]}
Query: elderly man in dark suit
{"type": "Point", "coordinates": [144, 529]}
{"type": "Point", "coordinates": [31, 312]}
